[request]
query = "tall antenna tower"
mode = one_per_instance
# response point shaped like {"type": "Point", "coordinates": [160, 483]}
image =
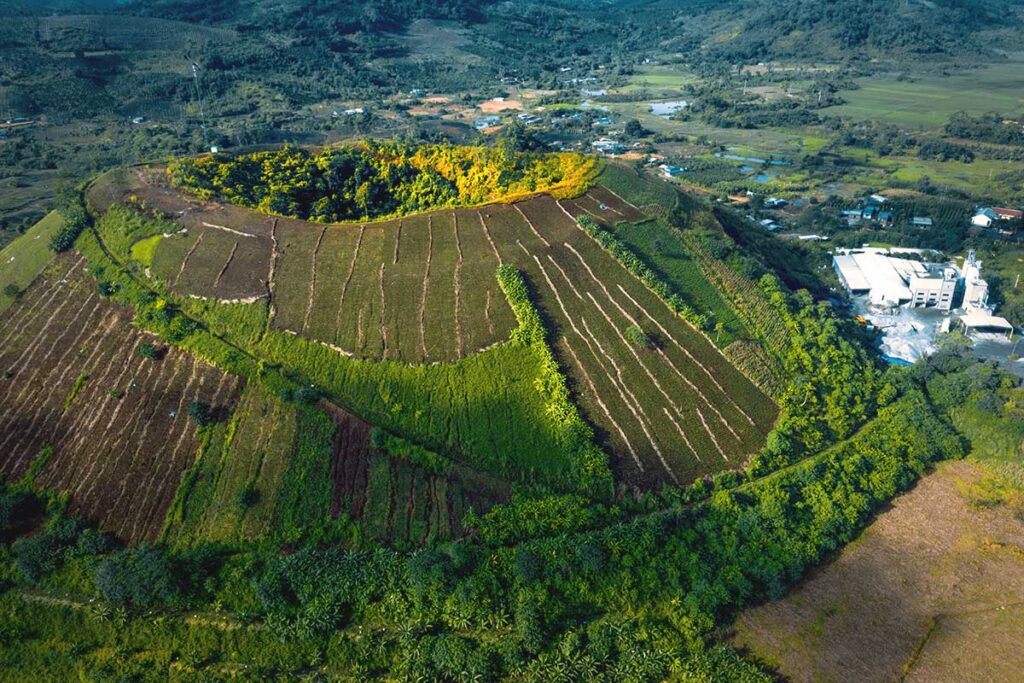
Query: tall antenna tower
{"type": "Point", "coordinates": [199, 99]}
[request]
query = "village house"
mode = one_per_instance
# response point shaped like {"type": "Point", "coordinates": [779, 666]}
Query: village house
{"type": "Point", "coordinates": [485, 122]}
{"type": "Point", "coordinates": [985, 217]}
{"type": "Point", "coordinates": [609, 146]}
{"type": "Point", "coordinates": [670, 171]}
{"type": "Point", "coordinates": [1008, 214]}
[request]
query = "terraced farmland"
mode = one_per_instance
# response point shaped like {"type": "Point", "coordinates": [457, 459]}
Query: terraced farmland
{"type": "Point", "coordinates": [280, 469]}
{"type": "Point", "coordinates": [423, 289]}
{"type": "Point", "coordinates": [85, 413]}
{"type": "Point", "coordinates": [669, 412]}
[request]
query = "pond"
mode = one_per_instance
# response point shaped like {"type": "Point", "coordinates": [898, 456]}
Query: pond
{"type": "Point", "coordinates": [753, 160]}
{"type": "Point", "coordinates": [667, 109]}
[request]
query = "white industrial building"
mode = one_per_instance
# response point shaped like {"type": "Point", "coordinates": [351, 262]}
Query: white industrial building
{"type": "Point", "coordinates": [978, 315]}
{"type": "Point", "coordinates": [890, 288]}
{"type": "Point", "coordinates": [889, 281]}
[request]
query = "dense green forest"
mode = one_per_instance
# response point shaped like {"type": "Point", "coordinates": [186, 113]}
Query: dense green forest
{"type": "Point", "coordinates": [380, 179]}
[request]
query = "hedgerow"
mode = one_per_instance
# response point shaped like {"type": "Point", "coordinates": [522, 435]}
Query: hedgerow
{"type": "Point", "coordinates": [75, 220]}
{"type": "Point", "coordinates": [590, 468]}
{"type": "Point", "coordinates": [637, 267]}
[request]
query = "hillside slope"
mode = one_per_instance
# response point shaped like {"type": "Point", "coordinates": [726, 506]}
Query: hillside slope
{"type": "Point", "coordinates": [422, 289]}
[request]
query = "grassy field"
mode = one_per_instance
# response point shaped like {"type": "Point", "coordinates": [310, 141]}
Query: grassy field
{"type": "Point", "coordinates": [981, 177]}
{"type": "Point", "coordinates": [669, 78]}
{"type": "Point", "coordinates": [22, 260]}
{"type": "Point", "coordinates": [949, 609]}
{"type": "Point", "coordinates": [928, 101]}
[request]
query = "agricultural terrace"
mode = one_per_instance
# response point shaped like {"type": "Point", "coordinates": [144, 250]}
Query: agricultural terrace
{"type": "Point", "coordinates": [279, 469]}
{"type": "Point", "coordinates": [86, 414]}
{"type": "Point", "coordinates": [422, 288]}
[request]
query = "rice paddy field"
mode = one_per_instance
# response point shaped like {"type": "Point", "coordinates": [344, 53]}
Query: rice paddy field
{"type": "Point", "coordinates": [422, 291]}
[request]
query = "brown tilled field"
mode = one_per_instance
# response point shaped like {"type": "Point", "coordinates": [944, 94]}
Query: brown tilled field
{"type": "Point", "coordinates": [933, 590]}
{"type": "Point", "coordinates": [114, 424]}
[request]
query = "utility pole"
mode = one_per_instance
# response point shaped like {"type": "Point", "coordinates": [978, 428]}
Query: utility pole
{"type": "Point", "coordinates": [199, 99]}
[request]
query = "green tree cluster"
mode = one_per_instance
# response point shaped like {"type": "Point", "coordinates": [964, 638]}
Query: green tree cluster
{"type": "Point", "coordinates": [379, 179]}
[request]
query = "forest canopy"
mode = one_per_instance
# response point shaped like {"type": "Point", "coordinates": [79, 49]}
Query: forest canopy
{"type": "Point", "coordinates": [379, 179]}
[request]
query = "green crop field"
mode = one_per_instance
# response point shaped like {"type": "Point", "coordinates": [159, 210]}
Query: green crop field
{"type": "Point", "coordinates": [22, 260]}
{"type": "Point", "coordinates": [657, 78]}
{"type": "Point", "coordinates": [928, 101]}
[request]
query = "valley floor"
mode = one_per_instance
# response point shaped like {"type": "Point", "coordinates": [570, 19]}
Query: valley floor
{"type": "Point", "coordinates": [931, 591]}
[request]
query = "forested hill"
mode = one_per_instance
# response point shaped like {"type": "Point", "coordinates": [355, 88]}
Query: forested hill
{"type": "Point", "coordinates": [530, 35]}
{"type": "Point", "coordinates": [834, 29]}
{"type": "Point", "coordinates": [303, 17]}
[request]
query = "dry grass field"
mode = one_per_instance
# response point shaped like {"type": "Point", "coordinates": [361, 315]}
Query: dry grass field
{"type": "Point", "coordinates": [933, 590]}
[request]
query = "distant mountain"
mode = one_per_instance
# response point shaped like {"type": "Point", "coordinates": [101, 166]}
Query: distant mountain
{"type": "Point", "coordinates": [35, 7]}
{"type": "Point", "coordinates": [839, 28]}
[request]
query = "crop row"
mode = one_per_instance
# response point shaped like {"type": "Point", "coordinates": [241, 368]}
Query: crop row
{"type": "Point", "coordinates": [671, 409]}
{"type": "Point", "coordinates": [114, 424]}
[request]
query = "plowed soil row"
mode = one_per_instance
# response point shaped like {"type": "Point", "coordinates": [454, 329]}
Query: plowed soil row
{"type": "Point", "coordinates": [110, 427]}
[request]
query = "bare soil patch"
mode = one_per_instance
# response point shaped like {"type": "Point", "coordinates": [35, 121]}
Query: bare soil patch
{"type": "Point", "coordinates": [499, 104]}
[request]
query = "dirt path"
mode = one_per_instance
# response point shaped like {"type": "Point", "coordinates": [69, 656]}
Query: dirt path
{"type": "Point", "coordinates": [184, 261]}
{"type": "Point", "coordinates": [487, 314]}
{"type": "Point", "coordinates": [398, 240]}
{"type": "Point", "coordinates": [532, 226]}
{"type": "Point", "coordinates": [227, 264]}
{"type": "Point", "coordinates": [348, 281]}
{"type": "Point", "coordinates": [383, 315]}
{"type": "Point", "coordinates": [458, 288]}
{"type": "Point", "coordinates": [271, 282]}
{"type": "Point", "coordinates": [426, 282]}
{"type": "Point", "coordinates": [312, 280]}
{"type": "Point", "coordinates": [490, 240]}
